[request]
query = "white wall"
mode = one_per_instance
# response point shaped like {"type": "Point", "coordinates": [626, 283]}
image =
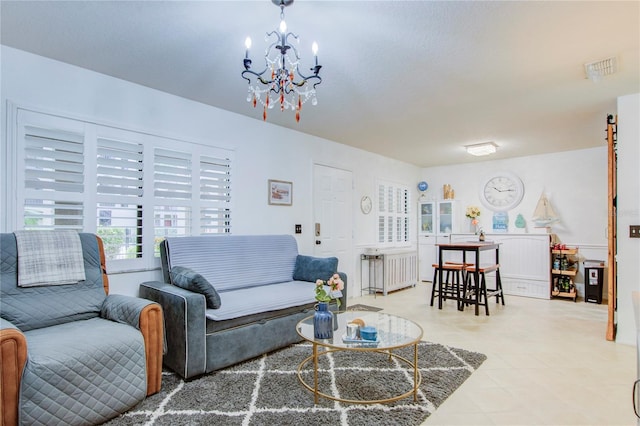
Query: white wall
{"type": "Point", "coordinates": [262, 151]}
{"type": "Point", "coordinates": [575, 183]}
{"type": "Point", "coordinates": [628, 214]}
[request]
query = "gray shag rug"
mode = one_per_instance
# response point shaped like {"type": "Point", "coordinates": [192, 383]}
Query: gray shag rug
{"type": "Point", "coordinates": [266, 390]}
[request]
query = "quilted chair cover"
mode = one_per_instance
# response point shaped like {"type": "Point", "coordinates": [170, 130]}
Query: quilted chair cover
{"type": "Point", "coordinates": [85, 351]}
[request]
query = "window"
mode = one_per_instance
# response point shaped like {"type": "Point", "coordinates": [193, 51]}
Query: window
{"type": "Point", "coordinates": [133, 189]}
{"type": "Point", "coordinates": [393, 214]}
{"type": "Point", "coordinates": [119, 177]}
{"type": "Point", "coordinates": [53, 180]}
{"type": "Point", "coordinates": [172, 183]}
{"type": "Point", "coordinates": [215, 195]}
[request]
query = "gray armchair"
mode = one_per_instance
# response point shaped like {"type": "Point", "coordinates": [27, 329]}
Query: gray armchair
{"type": "Point", "coordinates": [71, 354]}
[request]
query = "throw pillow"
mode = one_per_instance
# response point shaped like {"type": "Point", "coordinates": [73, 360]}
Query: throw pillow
{"type": "Point", "coordinates": [310, 268]}
{"type": "Point", "coordinates": [193, 281]}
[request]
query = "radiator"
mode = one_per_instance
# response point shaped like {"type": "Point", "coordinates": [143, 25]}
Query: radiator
{"type": "Point", "coordinates": [389, 271]}
{"type": "Point", "coordinates": [400, 271]}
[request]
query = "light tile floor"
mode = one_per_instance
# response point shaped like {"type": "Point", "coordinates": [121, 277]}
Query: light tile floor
{"type": "Point", "coordinates": [548, 362]}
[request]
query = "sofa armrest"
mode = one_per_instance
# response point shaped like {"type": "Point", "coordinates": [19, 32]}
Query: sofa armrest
{"type": "Point", "coordinates": [185, 321]}
{"type": "Point", "coordinates": [146, 316]}
{"type": "Point", "coordinates": [13, 356]}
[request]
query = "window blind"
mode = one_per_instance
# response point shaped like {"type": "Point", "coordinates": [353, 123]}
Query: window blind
{"type": "Point", "coordinates": [215, 195]}
{"type": "Point", "coordinates": [394, 209]}
{"type": "Point", "coordinates": [172, 189]}
{"type": "Point", "coordinates": [53, 178]}
{"type": "Point", "coordinates": [131, 188]}
{"type": "Point", "coordinates": [119, 190]}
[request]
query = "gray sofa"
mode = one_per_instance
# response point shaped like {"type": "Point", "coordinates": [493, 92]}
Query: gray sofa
{"type": "Point", "coordinates": [71, 354]}
{"type": "Point", "coordinates": [229, 298]}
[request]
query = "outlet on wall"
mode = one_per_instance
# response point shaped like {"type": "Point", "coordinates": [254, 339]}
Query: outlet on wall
{"type": "Point", "coordinates": [634, 231]}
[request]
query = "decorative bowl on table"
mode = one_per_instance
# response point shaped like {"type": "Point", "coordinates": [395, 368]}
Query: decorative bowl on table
{"type": "Point", "coordinates": [368, 333]}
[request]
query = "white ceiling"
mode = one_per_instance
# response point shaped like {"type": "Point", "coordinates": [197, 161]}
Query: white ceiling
{"type": "Point", "coordinates": [412, 80]}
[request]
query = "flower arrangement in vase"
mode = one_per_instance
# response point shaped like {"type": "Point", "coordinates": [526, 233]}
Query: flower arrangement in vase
{"type": "Point", "coordinates": [323, 319]}
{"type": "Point", "coordinates": [473, 212]}
{"type": "Point", "coordinates": [335, 284]}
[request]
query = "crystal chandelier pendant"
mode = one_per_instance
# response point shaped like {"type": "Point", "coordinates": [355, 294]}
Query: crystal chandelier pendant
{"type": "Point", "coordinates": [281, 69]}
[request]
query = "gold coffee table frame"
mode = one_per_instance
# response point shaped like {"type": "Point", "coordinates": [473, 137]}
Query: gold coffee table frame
{"type": "Point", "coordinates": [393, 332]}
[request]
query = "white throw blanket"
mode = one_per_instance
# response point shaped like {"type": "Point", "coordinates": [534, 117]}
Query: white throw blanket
{"type": "Point", "coordinates": [49, 258]}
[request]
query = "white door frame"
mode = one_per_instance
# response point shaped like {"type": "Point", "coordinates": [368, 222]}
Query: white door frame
{"type": "Point", "coordinates": [342, 215]}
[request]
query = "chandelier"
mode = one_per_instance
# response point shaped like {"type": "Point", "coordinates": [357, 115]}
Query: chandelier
{"type": "Point", "coordinates": [276, 83]}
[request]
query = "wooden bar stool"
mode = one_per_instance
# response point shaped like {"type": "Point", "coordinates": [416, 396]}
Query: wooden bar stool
{"type": "Point", "coordinates": [452, 285]}
{"type": "Point", "coordinates": [480, 294]}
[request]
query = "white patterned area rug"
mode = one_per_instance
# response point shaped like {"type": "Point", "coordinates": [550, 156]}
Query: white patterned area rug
{"type": "Point", "coordinates": [266, 390]}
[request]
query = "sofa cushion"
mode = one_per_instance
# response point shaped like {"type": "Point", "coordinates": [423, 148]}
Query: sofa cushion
{"type": "Point", "coordinates": [193, 281]}
{"type": "Point", "coordinates": [272, 297]}
{"type": "Point", "coordinates": [235, 261]}
{"type": "Point", "coordinates": [309, 268]}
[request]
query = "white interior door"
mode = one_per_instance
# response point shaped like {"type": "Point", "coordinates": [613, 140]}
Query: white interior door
{"type": "Point", "coordinates": [333, 226]}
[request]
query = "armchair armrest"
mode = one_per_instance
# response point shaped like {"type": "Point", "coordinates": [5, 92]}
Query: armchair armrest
{"type": "Point", "coordinates": [146, 316]}
{"type": "Point", "coordinates": [184, 313]}
{"type": "Point", "coordinates": [13, 356]}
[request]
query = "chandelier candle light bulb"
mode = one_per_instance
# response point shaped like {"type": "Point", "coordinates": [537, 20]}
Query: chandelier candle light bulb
{"type": "Point", "coordinates": [247, 44]}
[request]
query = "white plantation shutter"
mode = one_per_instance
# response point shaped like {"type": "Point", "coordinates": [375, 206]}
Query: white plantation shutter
{"type": "Point", "coordinates": [172, 188]}
{"type": "Point", "coordinates": [120, 191]}
{"type": "Point", "coordinates": [403, 214]}
{"type": "Point", "coordinates": [171, 174]}
{"type": "Point", "coordinates": [131, 188]}
{"type": "Point", "coordinates": [215, 195]}
{"type": "Point", "coordinates": [393, 213]}
{"type": "Point", "coordinates": [53, 179]}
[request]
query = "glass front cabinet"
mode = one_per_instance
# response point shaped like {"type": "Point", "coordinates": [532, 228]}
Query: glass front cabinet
{"type": "Point", "coordinates": [437, 217]}
{"type": "Point", "coordinates": [427, 219]}
{"type": "Point", "coordinates": [446, 216]}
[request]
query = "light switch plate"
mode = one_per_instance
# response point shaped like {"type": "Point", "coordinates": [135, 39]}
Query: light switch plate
{"type": "Point", "coordinates": [634, 231]}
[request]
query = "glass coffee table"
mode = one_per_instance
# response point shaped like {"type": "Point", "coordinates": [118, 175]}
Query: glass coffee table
{"type": "Point", "coordinates": [394, 332]}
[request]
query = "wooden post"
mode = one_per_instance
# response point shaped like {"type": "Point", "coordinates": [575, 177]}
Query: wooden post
{"type": "Point", "coordinates": [612, 227]}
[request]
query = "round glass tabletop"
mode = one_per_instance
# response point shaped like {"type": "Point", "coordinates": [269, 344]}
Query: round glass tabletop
{"type": "Point", "coordinates": [393, 331]}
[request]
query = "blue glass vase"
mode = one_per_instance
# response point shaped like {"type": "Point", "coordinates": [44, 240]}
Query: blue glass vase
{"type": "Point", "coordinates": [323, 322]}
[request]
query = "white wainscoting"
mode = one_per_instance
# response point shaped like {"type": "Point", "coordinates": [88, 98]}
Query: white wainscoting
{"type": "Point", "coordinates": [524, 262]}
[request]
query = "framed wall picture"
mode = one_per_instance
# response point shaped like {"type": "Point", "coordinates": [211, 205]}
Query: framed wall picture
{"type": "Point", "coordinates": [280, 192]}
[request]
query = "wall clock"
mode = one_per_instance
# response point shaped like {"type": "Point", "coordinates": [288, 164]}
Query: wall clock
{"type": "Point", "coordinates": [501, 191]}
{"type": "Point", "coordinates": [365, 204]}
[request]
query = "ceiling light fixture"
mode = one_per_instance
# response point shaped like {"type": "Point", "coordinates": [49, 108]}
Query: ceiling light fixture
{"type": "Point", "coordinates": [480, 149]}
{"type": "Point", "coordinates": [277, 82]}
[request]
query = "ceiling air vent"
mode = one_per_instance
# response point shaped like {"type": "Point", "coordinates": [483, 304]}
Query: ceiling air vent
{"type": "Point", "coordinates": [596, 70]}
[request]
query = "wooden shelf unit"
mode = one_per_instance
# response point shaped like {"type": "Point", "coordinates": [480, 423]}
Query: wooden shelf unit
{"type": "Point", "coordinates": [561, 278]}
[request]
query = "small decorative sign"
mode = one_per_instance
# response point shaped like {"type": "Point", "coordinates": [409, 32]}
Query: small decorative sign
{"type": "Point", "coordinates": [500, 222]}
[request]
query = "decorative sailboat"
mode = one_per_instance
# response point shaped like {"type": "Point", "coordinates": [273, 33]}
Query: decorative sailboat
{"type": "Point", "coordinates": [544, 215]}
